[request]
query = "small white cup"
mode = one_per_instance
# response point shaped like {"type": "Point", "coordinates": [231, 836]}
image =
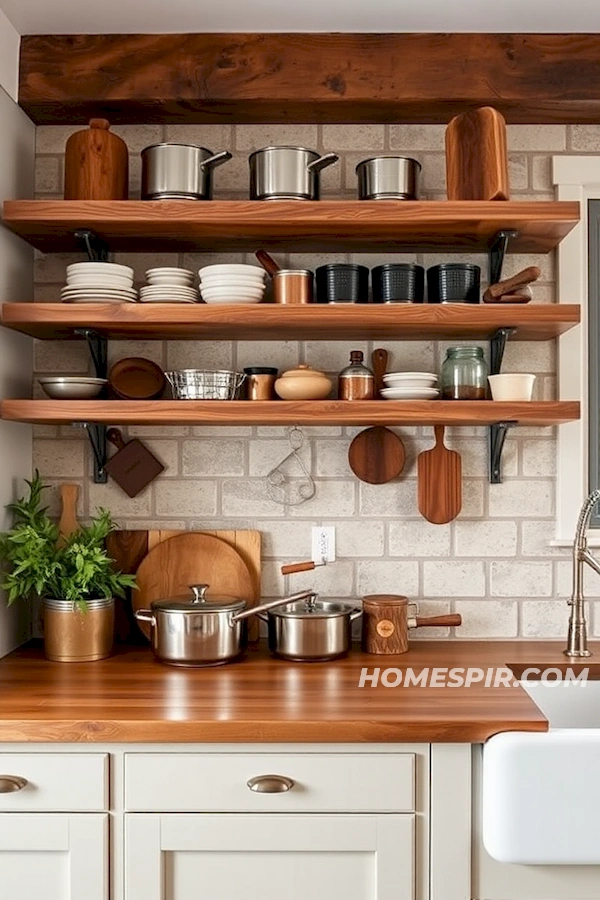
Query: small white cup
{"type": "Point", "coordinates": [511, 386]}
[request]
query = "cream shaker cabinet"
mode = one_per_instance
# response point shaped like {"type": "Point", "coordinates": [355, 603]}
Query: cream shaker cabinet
{"type": "Point", "coordinates": [269, 857]}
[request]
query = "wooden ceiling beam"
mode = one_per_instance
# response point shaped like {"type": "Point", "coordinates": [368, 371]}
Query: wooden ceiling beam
{"type": "Point", "coordinates": [253, 78]}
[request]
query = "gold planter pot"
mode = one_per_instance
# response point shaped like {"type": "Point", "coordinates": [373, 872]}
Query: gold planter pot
{"type": "Point", "coordinates": [74, 635]}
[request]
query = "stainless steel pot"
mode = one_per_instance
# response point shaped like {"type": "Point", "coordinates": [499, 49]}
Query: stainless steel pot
{"type": "Point", "coordinates": [388, 178]}
{"type": "Point", "coordinates": [179, 171]}
{"type": "Point", "coordinates": [201, 630]}
{"type": "Point", "coordinates": [311, 630]}
{"type": "Point", "coordinates": [287, 173]}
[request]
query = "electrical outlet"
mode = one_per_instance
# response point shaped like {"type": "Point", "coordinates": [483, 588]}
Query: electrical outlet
{"type": "Point", "coordinates": [323, 543]}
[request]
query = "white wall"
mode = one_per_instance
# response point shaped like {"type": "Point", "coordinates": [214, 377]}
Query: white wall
{"type": "Point", "coordinates": [9, 56]}
{"type": "Point", "coordinates": [17, 148]}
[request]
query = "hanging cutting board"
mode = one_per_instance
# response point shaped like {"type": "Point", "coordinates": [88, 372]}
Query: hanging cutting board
{"type": "Point", "coordinates": [129, 549]}
{"type": "Point", "coordinates": [476, 156]}
{"type": "Point", "coordinates": [439, 473]}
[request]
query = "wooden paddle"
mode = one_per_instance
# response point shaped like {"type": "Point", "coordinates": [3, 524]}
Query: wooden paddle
{"type": "Point", "coordinates": [68, 516]}
{"type": "Point", "coordinates": [476, 156]}
{"type": "Point", "coordinates": [133, 467]}
{"type": "Point", "coordinates": [379, 361]}
{"type": "Point", "coordinates": [440, 481]}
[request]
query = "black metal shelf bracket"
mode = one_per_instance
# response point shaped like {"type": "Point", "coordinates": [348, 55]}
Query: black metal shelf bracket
{"type": "Point", "coordinates": [497, 253]}
{"type": "Point", "coordinates": [89, 242]}
{"type": "Point", "coordinates": [497, 348]}
{"type": "Point", "coordinates": [497, 436]}
{"type": "Point", "coordinates": [97, 436]}
{"type": "Point", "coordinates": [98, 347]}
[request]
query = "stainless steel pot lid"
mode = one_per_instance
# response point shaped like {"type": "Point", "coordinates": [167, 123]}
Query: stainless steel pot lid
{"type": "Point", "coordinates": [284, 147]}
{"type": "Point", "coordinates": [199, 601]}
{"type": "Point", "coordinates": [315, 609]}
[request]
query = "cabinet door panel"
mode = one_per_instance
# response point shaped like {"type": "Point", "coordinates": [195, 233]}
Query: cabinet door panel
{"type": "Point", "coordinates": [54, 857]}
{"type": "Point", "coordinates": [210, 857]}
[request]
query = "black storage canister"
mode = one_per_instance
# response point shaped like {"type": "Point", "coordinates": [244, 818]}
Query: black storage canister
{"type": "Point", "coordinates": [342, 283]}
{"type": "Point", "coordinates": [398, 283]}
{"type": "Point", "coordinates": [453, 283]}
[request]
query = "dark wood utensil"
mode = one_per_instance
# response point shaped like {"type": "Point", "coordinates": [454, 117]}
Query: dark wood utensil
{"type": "Point", "coordinates": [136, 378]}
{"type": "Point", "coordinates": [134, 466]}
{"type": "Point", "coordinates": [476, 156]}
{"type": "Point", "coordinates": [267, 262]}
{"type": "Point", "coordinates": [376, 455]}
{"type": "Point", "coordinates": [496, 293]}
{"type": "Point", "coordinates": [379, 361]}
{"type": "Point", "coordinates": [439, 472]}
{"type": "Point", "coordinates": [68, 516]}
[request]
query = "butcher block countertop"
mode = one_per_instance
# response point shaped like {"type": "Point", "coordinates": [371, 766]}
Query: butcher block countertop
{"type": "Point", "coordinates": [131, 698]}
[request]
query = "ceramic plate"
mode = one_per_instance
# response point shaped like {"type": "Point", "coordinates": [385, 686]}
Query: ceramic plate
{"type": "Point", "coordinates": [416, 394]}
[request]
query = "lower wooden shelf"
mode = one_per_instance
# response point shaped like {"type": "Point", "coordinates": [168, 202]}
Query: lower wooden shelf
{"type": "Point", "coordinates": [282, 412]}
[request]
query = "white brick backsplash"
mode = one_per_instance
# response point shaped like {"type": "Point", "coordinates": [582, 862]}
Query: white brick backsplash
{"type": "Point", "coordinates": [356, 540]}
{"type": "Point", "coordinates": [419, 538]}
{"type": "Point", "coordinates": [498, 546]}
{"type": "Point", "coordinates": [332, 458]}
{"type": "Point", "coordinates": [334, 499]}
{"type": "Point", "coordinates": [397, 498]}
{"type": "Point", "coordinates": [267, 454]}
{"type": "Point", "coordinates": [185, 498]}
{"type": "Point", "coordinates": [536, 137]}
{"type": "Point", "coordinates": [408, 138]}
{"type": "Point", "coordinates": [521, 499]}
{"type": "Point", "coordinates": [375, 577]}
{"type": "Point", "coordinates": [199, 355]}
{"type": "Point", "coordinates": [544, 619]}
{"type": "Point", "coordinates": [485, 538]}
{"type": "Point", "coordinates": [353, 137]}
{"type": "Point", "coordinates": [487, 618]}
{"type": "Point", "coordinates": [213, 456]}
{"type": "Point", "coordinates": [451, 578]}
{"type": "Point", "coordinates": [254, 137]}
{"type": "Point", "coordinates": [59, 459]}
{"type": "Point", "coordinates": [521, 579]}
{"type": "Point", "coordinates": [585, 137]}
{"type": "Point", "coordinates": [336, 580]}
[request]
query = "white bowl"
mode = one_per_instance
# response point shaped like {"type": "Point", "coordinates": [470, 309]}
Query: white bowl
{"type": "Point", "coordinates": [232, 283]}
{"type": "Point", "coordinates": [96, 267]}
{"type": "Point", "coordinates": [410, 376]}
{"type": "Point", "coordinates": [169, 279]}
{"type": "Point", "coordinates": [409, 394]}
{"type": "Point", "coordinates": [170, 270]}
{"type": "Point", "coordinates": [72, 387]}
{"type": "Point", "coordinates": [231, 300]}
{"type": "Point", "coordinates": [75, 281]}
{"type": "Point", "coordinates": [511, 386]}
{"type": "Point", "coordinates": [217, 293]}
{"type": "Point", "coordinates": [232, 269]}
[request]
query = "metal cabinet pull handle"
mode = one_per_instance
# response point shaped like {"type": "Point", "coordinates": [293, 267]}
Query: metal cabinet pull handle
{"type": "Point", "coordinates": [270, 784]}
{"type": "Point", "coordinates": [11, 783]}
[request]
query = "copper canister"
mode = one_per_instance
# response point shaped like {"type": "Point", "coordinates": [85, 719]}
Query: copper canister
{"type": "Point", "coordinates": [293, 286]}
{"type": "Point", "coordinates": [78, 635]}
{"type": "Point", "coordinates": [260, 382]}
{"type": "Point", "coordinates": [385, 624]}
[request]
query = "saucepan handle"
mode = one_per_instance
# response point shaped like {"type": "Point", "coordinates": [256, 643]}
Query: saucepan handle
{"type": "Point", "coordinates": [145, 615]}
{"type": "Point", "coordinates": [254, 610]}
{"type": "Point", "coordinates": [217, 159]}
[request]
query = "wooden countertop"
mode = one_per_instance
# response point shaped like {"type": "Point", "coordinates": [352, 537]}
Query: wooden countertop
{"type": "Point", "coordinates": [130, 697]}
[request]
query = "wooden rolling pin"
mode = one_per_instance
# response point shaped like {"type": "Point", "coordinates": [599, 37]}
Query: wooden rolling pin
{"type": "Point", "coordinates": [510, 286]}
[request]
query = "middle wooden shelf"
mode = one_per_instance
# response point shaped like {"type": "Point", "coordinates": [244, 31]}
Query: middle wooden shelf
{"type": "Point", "coordinates": [270, 321]}
{"type": "Point", "coordinates": [284, 412]}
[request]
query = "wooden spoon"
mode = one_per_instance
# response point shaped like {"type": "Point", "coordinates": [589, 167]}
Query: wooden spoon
{"type": "Point", "coordinates": [267, 262]}
{"type": "Point", "coordinates": [68, 517]}
{"type": "Point", "coordinates": [439, 473]}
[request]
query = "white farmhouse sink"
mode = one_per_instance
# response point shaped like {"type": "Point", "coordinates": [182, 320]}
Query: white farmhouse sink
{"type": "Point", "coordinates": [541, 792]}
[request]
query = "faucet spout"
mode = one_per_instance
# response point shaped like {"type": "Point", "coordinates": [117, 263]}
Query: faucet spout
{"type": "Point", "coordinates": [577, 644]}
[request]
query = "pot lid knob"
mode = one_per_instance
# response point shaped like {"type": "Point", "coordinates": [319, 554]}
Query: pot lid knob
{"type": "Point", "coordinates": [199, 592]}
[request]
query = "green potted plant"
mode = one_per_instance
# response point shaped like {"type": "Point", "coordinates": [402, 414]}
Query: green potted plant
{"type": "Point", "coordinates": [74, 578]}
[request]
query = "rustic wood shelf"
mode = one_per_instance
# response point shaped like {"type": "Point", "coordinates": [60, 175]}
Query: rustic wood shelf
{"type": "Point", "coordinates": [328, 225]}
{"type": "Point", "coordinates": [280, 412]}
{"type": "Point", "coordinates": [269, 321]}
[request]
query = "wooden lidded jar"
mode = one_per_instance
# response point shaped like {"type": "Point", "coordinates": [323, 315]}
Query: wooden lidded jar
{"type": "Point", "coordinates": [385, 624]}
{"type": "Point", "coordinates": [96, 164]}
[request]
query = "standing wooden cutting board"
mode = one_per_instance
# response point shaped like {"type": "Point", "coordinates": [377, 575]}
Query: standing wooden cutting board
{"type": "Point", "coordinates": [476, 156]}
{"type": "Point", "coordinates": [128, 549]}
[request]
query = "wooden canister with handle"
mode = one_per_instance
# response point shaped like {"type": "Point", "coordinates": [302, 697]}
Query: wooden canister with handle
{"type": "Point", "coordinates": [385, 624]}
{"type": "Point", "coordinates": [96, 164]}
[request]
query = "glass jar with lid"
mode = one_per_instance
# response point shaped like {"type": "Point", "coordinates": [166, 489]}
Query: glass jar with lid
{"type": "Point", "coordinates": [464, 374]}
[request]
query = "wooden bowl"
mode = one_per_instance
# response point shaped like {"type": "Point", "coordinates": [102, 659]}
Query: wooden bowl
{"type": "Point", "coordinates": [135, 378]}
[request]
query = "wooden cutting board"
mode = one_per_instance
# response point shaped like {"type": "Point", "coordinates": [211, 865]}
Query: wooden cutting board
{"type": "Point", "coordinates": [476, 156]}
{"type": "Point", "coordinates": [129, 548]}
{"type": "Point", "coordinates": [439, 473]}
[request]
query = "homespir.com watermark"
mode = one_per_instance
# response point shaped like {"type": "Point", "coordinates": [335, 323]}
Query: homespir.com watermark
{"type": "Point", "coordinates": [496, 676]}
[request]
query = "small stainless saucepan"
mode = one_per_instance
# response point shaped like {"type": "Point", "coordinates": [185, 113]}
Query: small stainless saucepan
{"type": "Point", "coordinates": [388, 178]}
{"type": "Point", "coordinates": [307, 629]}
{"type": "Point", "coordinates": [287, 173]}
{"type": "Point", "coordinates": [179, 171]}
{"type": "Point", "coordinates": [202, 630]}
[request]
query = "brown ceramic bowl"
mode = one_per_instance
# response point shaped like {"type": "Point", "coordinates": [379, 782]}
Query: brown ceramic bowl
{"type": "Point", "coordinates": [135, 378]}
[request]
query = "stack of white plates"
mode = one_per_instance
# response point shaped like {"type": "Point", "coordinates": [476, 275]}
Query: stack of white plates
{"type": "Point", "coordinates": [410, 386]}
{"type": "Point", "coordinates": [99, 282]}
{"type": "Point", "coordinates": [232, 283]}
{"type": "Point", "coordinates": [169, 284]}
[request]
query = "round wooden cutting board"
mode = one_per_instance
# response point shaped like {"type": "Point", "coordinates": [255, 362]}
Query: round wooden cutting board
{"type": "Point", "coordinates": [170, 568]}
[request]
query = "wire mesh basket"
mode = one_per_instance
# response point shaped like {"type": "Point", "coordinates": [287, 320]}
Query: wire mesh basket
{"type": "Point", "coordinates": [205, 384]}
